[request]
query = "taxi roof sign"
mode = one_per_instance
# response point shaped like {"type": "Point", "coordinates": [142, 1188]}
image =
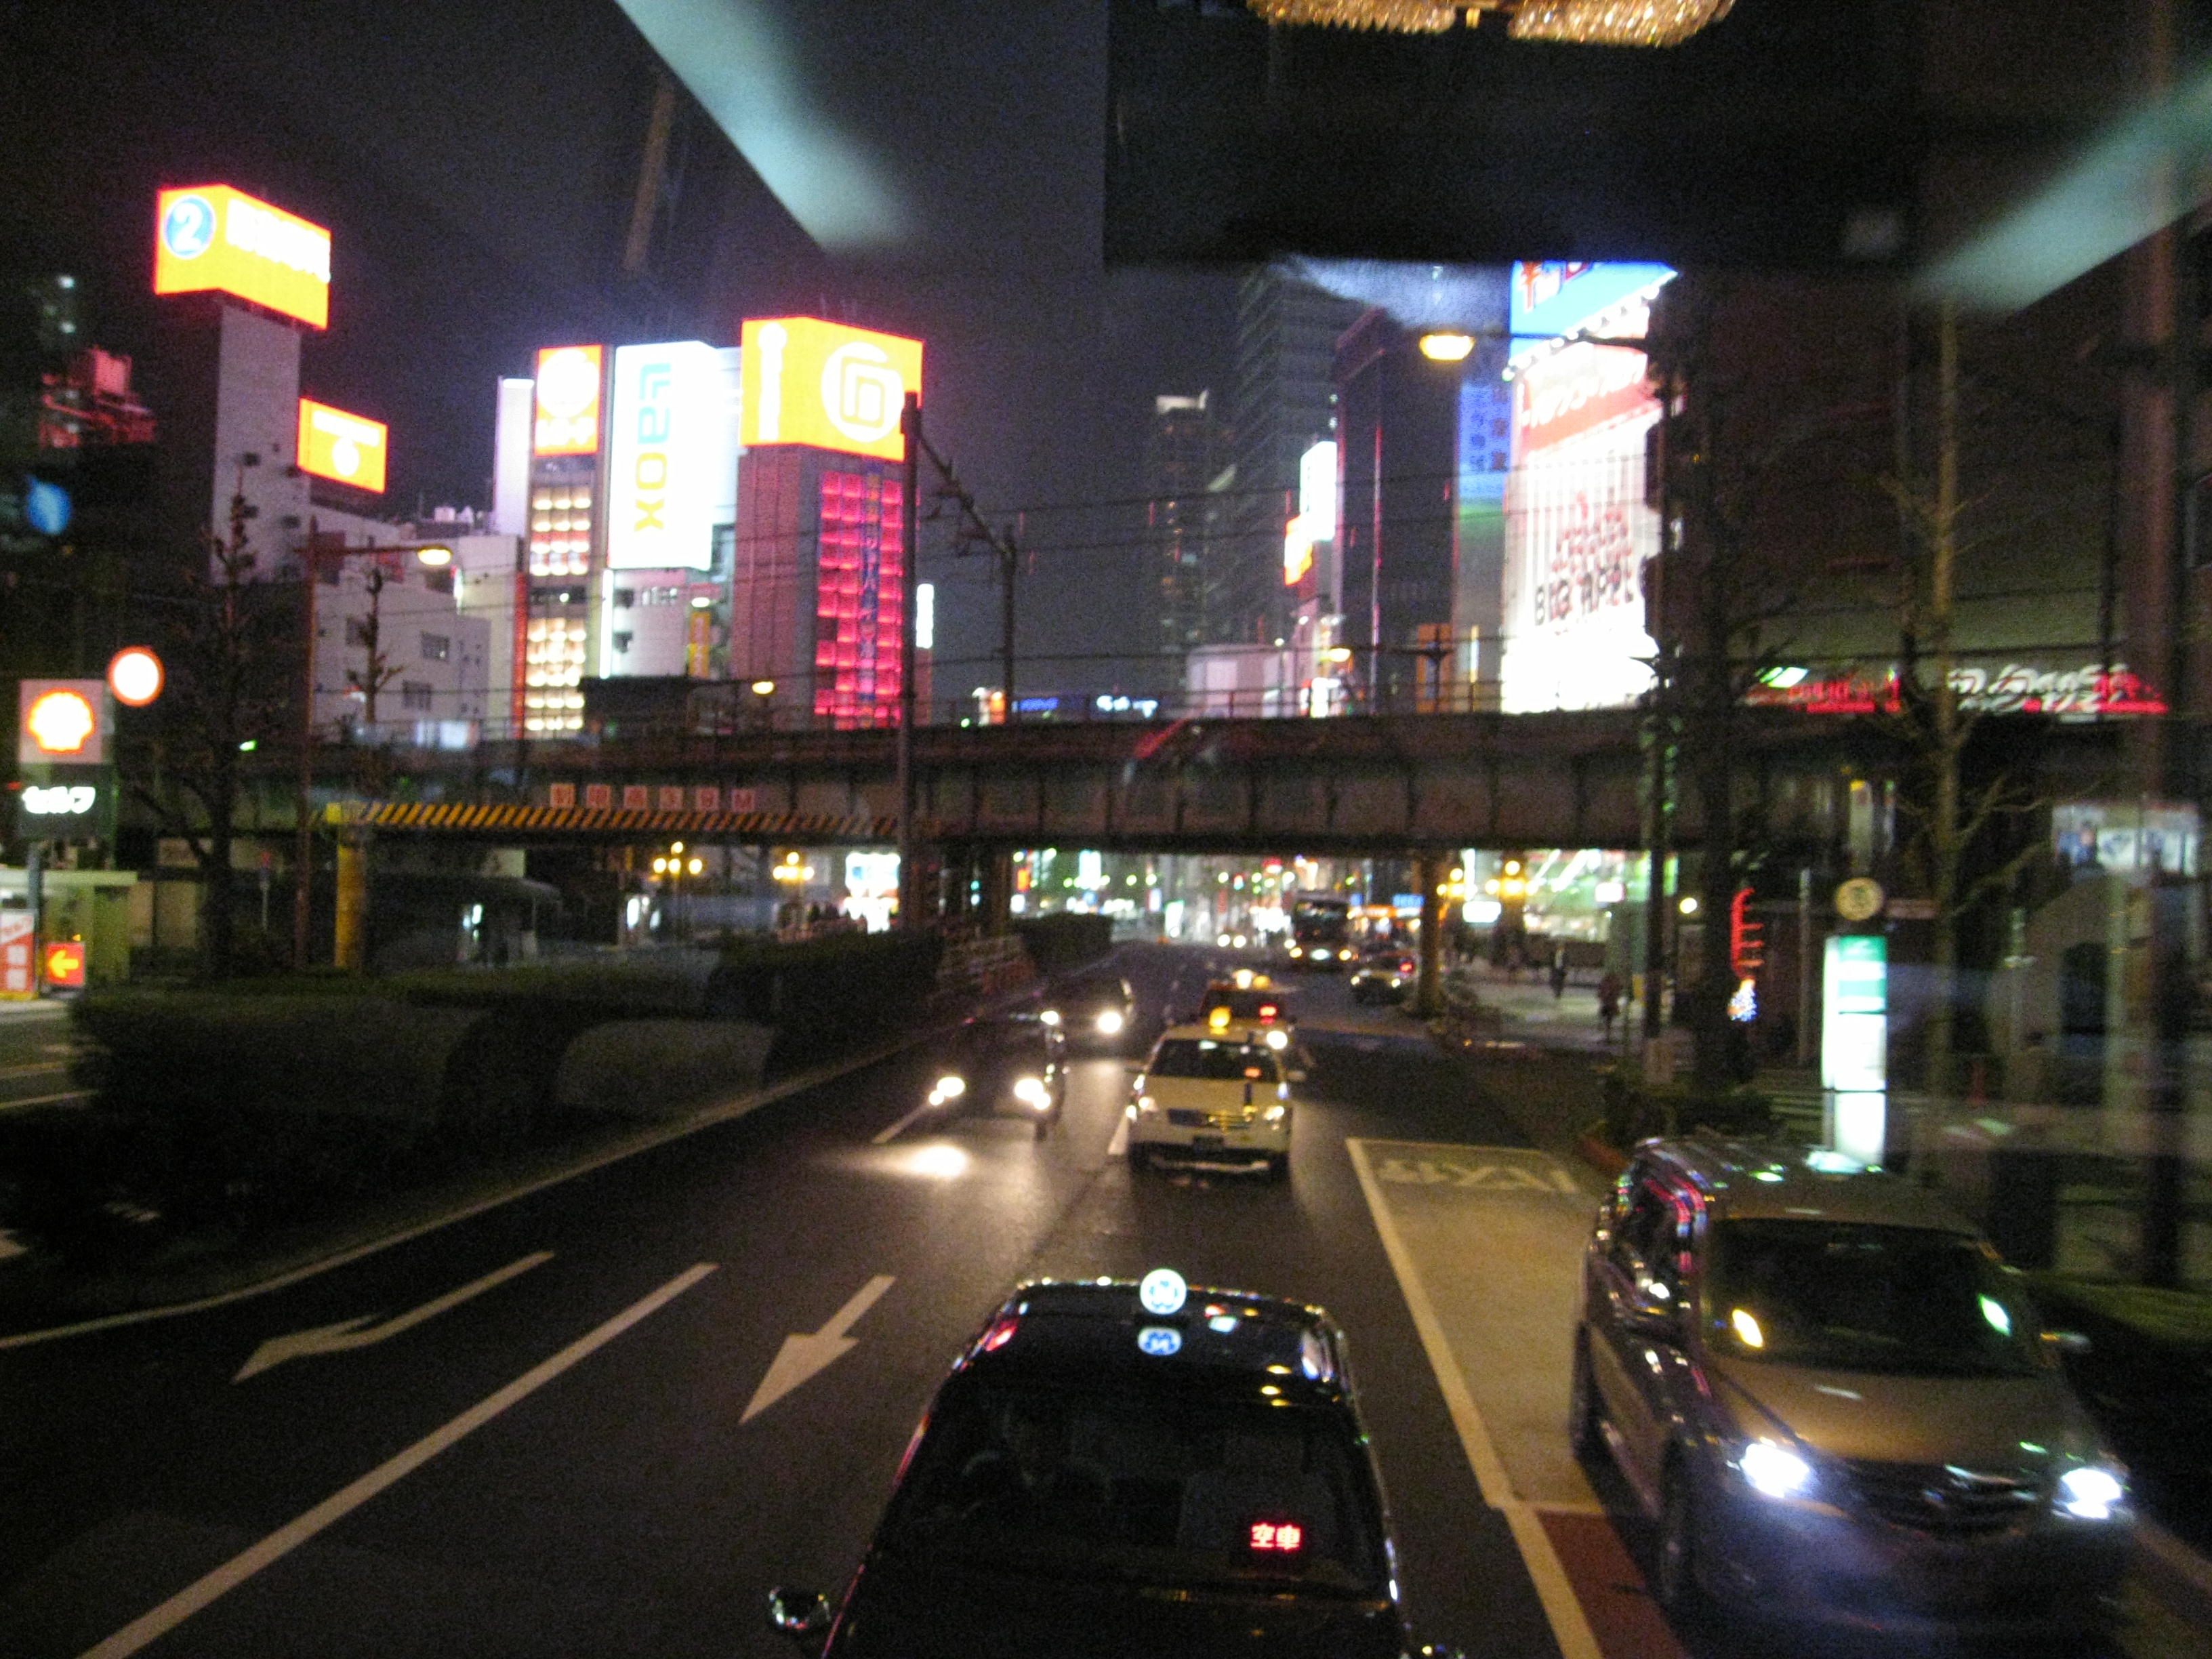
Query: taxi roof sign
{"type": "Point", "coordinates": [1163, 1291]}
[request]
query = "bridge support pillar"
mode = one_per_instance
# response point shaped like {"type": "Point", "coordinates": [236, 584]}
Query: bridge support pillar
{"type": "Point", "coordinates": [996, 916]}
{"type": "Point", "coordinates": [352, 921]}
{"type": "Point", "coordinates": [1429, 989]}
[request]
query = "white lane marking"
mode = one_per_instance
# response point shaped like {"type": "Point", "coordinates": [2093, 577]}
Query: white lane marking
{"type": "Point", "coordinates": [348, 1332]}
{"type": "Point", "coordinates": [1571, 1629]}
{"type": "Point", "coordinates": [644, 1141]}
{"type": "Point", "coordinates": [802, 1355]}
{"type": "Point", "coordinates": [885, 1137]}
{"type": "Point", "coordinates": [1120, 1145]}
{"type": "Point", "coordinates": [152, 1626]}
{"type": "Point", "coordinates": [31, 1066]}
{"type": "Point", "coordinates": [46, 1099]}
{"type": "Point", "coordinates": [9, 1246]}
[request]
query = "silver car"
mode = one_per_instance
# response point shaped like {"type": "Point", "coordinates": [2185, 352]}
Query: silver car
{"type": "Point", "coordinates": [1838, 1404]}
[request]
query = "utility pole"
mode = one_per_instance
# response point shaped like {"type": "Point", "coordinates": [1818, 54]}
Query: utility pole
{"type": "Point", "coordinates": [1006, 563]}
{"type": "Point", "coordinates": [303, 847]}
{"type": "Point", "coordinates": [909, 889]}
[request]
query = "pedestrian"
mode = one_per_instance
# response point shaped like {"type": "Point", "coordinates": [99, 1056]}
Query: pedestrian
{"type": "Point", "coordinates": [1608, 1001]}
{"type": "Point", "coordinates": [1558, 971]}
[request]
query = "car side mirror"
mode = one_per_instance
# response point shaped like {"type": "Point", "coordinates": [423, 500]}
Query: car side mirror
{"type": "Point", "coordinates": [801, 1615]}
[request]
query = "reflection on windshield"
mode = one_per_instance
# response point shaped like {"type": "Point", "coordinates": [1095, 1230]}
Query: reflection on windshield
{"type": "Point", "coordinates": [1189, 1491]}
{"type": "Point", "coordinates": [1220, 1063]}
{"type": "Point", "coordinates": [1910, 1300]}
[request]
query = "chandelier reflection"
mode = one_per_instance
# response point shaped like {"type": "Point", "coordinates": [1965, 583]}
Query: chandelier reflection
{"type": "Point", "coordinates": [1586, 22]}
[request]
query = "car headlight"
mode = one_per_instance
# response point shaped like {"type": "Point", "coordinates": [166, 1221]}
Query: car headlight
{"type": "Point", "coordinates": [1774, 1470]}
{"type": "Point", "coordinates": [1110, 1022]}
{"type": "Point", "coordinates": [2090, 1493]}
{"type": "Point", "coordinates": [1277, 1113]}
{"type": "Point", "coordinates": [1031, 1091]}
{"type": "Point", "coordinates": [1296, 951]}
{"type": "Point", "coordinates": [1146, 1103]}
{"type": "Point", "coordinates": [951, 1086]}
{"type": "Point", "coordinates": [1050, 1016]}
{"type": "Point", "coordinates": [1278, 1040]}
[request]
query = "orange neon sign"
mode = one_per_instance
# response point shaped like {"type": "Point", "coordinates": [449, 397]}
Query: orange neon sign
{"type": "Point", "coordinates": [821, 384]}
{"type": "Point", "coordinates": [61, 721]}
{"type": "Point", "coordinates": [210, 238]}
{"type": "Point", "coordinates": [567, 410]}
{"type": "Point", "coordinates": [346, 449]}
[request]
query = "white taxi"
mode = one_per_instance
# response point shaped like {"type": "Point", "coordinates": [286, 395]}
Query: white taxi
{"type": "Point", "coordinates": [1215, 1096]}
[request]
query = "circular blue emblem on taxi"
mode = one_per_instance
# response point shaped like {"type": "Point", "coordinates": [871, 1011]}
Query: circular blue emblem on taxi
{"type": "Point", "coordinates": [1162, 1291]}
{"type": "Point", "coordinates": [188, 228]}
{"type": "Point", "coordinates": [1160, 1339]}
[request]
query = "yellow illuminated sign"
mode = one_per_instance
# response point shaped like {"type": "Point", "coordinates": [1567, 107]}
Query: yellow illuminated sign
{"type": "Point", "coordinates": [341, 447]}
{"type": "Point", "coordinates": [567, 410]}
{"type": "Point", "coordinates": [824, 384]}
{"type": "Point", "coordinates": [61, 720]}
{"type": "Point", "coordinates": [210, 238]}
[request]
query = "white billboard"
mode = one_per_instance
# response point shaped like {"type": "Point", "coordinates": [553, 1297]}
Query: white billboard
{"type": "Point", "coordinates": [672, 439]}
{"type": "Point", "coordinates": [1578, 532]}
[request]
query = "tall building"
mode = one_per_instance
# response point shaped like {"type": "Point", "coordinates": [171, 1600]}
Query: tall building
{"type": "Point", "coordinates": [619, 470]}
{"type": "Point", "coordinates": [820, 562]}
{"type": "Point", "coordinates": [1182, 458]}
{"type": "Point", "coordinates": [1282, 405]}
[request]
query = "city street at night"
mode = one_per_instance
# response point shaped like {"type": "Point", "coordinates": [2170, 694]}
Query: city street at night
{"type": "Point", "coordinates": [606, 1417]}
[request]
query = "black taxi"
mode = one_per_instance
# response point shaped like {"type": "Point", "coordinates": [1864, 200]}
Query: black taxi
{"type": "Point", "coordinates": [1118, 1468]}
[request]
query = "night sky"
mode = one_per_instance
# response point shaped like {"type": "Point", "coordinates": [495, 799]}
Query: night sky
{"type": "Point", "coordinates": [476, 164]}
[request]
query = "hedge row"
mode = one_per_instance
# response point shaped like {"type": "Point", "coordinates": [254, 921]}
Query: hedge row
{"type": "Point", "coordinates": [229, 1111]}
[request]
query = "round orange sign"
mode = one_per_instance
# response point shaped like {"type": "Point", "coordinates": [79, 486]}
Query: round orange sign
{"type": "Point", "coordinates": [60, 721]}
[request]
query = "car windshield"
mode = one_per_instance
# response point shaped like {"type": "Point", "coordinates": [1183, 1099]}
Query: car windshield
{"type": "Point", "coordinates": [1184, 1492]}
{"type": "Point", "coordinates": [1221, 1062]}
{"type": "Point", "coordinates": [1910, 1300]}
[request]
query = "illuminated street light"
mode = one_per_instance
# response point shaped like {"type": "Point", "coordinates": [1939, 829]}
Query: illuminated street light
{"type": "Point", "coordinates": [1688, 906]}
{"type": "Point", "coordinates": [764, 688]}
{"type": "Point", "coordinates": [1446, 348]}
{"type": "Point", "coordinates": [436, 557]}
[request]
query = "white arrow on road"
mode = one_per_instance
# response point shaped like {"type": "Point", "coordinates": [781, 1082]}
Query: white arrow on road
{"type": "Point", "coordinates": [359, 1333]}
{"type": "Point", "coordinates": [801, 1357]}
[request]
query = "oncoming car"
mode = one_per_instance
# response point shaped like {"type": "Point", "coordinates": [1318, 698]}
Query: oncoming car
{"type": "Point", "coordinates": [1014, 1067]}
{"type": "Point", "coordinates": [1245, 999]}
{"type": "Point", "coordinates": [1383, 977]}
{"type": "Point", "coordinates": [1837, 1405]}
{"type": "Point", "coordinates": [1129, 1468]}
{"type": "Point", "coordinates": [1097, 1011]}
{"type": "Point", "coordinates": [1216, 1096]}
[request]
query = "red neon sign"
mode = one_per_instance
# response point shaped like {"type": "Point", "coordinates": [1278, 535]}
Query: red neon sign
{"type": "Point", "coordinates": [1287, 1536]}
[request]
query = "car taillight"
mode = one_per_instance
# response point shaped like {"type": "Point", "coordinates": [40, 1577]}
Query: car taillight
{"type": "Point", "coordinates": [1001, 1332]}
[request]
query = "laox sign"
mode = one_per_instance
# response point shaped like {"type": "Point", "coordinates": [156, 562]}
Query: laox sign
{"type": "Point", "coordinates": [669, 438]}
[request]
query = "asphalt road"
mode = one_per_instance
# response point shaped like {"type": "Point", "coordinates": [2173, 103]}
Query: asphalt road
{"type": "Point", "coordinates": [485, 1488]}
{"type": "Point", "coordinates": [544, 1431]}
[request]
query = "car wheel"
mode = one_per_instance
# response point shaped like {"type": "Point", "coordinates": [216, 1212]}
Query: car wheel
{"type": "Point", "coordinates": [1674, 1582]}
{"type": "Point", "coordinates": [1044, 1127]}
{"type": "Point", "coordinates": [1141, 1160]}
{"type": "Point", "coordinates": [1278, 1167]}
{"type": "Point", "coordinates": [1585, 1412]}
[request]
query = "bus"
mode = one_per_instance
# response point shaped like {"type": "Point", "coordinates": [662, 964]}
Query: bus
{"type": "Point", "coordinates": [1320, 931]}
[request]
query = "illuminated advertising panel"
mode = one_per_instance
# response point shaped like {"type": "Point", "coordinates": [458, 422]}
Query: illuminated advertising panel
{"type": "Point", "coordinates": [1578, 531]}
{"type": "Point", "coordinates": [827, 386]}
{"type": "Point", "coordinates": [566, 418]}
{"type": "Point", "coordinates": [210, 238]}
{"type": "Point", "coordinates": [346, 449]}
{"type": "Point", "coordinates": [1317, 490]}
{"type": "Point", "coordinates": [62, 722]}
{"type": "Point", "coordinates": [667, 441]}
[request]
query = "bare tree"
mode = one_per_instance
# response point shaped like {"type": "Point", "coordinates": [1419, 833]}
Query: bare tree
{"type": "Point", "coordinates": [224, 640]}
{"type": "Point", "coordinates": [380, 670]}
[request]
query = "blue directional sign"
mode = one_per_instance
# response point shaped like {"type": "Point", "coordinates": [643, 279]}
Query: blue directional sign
{"type": "Point", "coordinates": [188, 228]}
{"type": "Point", "coordinates": [47, 506]}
